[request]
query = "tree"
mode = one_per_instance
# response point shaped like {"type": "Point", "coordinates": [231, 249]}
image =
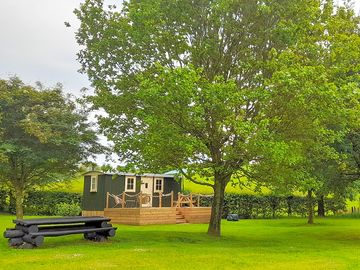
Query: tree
{"type": "Point", "coordinates": [340, 178]}
{"type": "Point", "coordinates": [44, 137]}
{"type": "Point", "coordinates": [332, 159]}
{"type": "Point", "coordinates": [219, 88]}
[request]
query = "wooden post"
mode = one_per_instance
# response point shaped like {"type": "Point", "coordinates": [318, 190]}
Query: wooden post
{"type": "Point", "coordinates": [107, 199]}
{"type": "Point", "coordinates": [178, 200]}
{"type": "Point", "coordinates": [198, 201]}
{"type": "Point", "coordinates": [123, 200]}
{"type": "Point", "coordinates": [140, 199]}
{"type": "Point", "coordinates": [172, 199]}
{"type": "Point", "coordinates": [191, 200]}
{"type": "Point", "coordinates": [160, 199]}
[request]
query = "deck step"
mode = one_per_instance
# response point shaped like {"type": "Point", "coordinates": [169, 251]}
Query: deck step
{"type": "Point", "coordinates": [180, 219]}
{"type": "Point", "coordinates": [181, 222]}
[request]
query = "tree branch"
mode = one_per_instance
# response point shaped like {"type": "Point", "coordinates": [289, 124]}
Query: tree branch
{"type": "Point", "coordinates": [195, 181]}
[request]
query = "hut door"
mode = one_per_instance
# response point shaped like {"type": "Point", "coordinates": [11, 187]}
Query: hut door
{"type": "Point", "coordinates": [147, 188]}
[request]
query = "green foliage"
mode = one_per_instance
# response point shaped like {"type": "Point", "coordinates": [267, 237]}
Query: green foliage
{"type": "Point", "coordinates": [44, 136]}
{"type": "Point", "coordinates": [271, 206]}
{"type": "Point", "coordinates": [224, 89]}
{"type": "Point", "coordinates": [3, 202]}
{"type": "Point", "coordinates": [46, 202]}
{"type": "Point", "coordinates": [67, 209]}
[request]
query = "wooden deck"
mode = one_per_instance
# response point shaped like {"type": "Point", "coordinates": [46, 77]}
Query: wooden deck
{"type": "Point", "coordinates": [154, 215]}
{"type": "Point", "coordinates": [196, 214]}
{"type": "Point", "coordinates": [92, 213]}
{"type": "Point", "coordinates": [141, 216]}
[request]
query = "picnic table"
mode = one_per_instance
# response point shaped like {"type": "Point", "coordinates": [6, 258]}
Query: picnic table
{"type": "Point", "coordinates": [185, 200]}
{"type": "Point", "coordinates": [29, 233]}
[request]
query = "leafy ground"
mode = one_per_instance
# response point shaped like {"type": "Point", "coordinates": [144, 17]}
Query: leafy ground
{"type": "Point", "coordinates": [247, 244]}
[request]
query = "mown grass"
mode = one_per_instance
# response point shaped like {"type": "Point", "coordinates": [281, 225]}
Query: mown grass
{"type": "Point", "coordinates": [247, 244]}
{"type": "Point", "coordinates": [75, 185]}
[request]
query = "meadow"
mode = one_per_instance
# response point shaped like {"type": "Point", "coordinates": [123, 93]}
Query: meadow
{"type": "Point", "coordinates": [76, 185]}
{"type": "Point", "coordinates": [331, 243]}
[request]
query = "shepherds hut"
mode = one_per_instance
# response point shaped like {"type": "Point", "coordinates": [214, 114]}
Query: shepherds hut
{"type": "Point", "coordinates": [129, 198]}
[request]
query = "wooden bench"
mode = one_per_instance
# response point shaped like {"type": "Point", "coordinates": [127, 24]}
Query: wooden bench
{"type": "Point", "coordinates": [29, 233]}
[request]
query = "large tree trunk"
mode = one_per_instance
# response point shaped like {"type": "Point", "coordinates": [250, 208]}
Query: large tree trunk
{"type": "Point", "coordinates": [217, 207]}
{"type": "Point", "coordinates": [310, 207]}
{"type": "Point", "coordinates": [321, 206]}
{"type": "Point", "coordinates": [19, 201]}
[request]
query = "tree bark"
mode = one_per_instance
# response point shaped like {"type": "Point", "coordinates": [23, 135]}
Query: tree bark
{"type": "Point", "coordinates": [310, 207]}
{"type": "Point", "coordinates": [19, 201]}
{"type": "Point", "coordinates": [321, 206]}
{"type": "Point", "coordinates": [217, 207]}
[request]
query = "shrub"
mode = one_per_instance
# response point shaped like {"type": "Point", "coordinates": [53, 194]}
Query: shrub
{"type": "Point", "coordinates": [246, 206]}
{"type": "Point", "coordinates": [269, 206]}
{"type": "Point", "coordinates": [3, 200]}
{"type": "Point", "coordinates": [43, 202]}
{"type": "Point", "coordinates": [67, 209]}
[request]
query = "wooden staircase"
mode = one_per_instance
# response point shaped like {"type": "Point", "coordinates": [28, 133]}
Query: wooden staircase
{"type": "Point", "coordinates": [180, 219]}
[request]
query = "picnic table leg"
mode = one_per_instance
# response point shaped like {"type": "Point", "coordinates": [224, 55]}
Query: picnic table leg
{"type": "Point", "coordinates": [36, 241]}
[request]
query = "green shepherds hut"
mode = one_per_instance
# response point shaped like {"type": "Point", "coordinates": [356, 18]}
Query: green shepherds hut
{"type": "Point", "coordinates": [103, 190]}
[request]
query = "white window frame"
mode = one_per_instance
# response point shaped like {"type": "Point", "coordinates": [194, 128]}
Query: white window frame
{"type": "Point", "coordinates": [93, 183]}
{"type": "Point", "coordinates": [162, 184]}
{"type": "Point", "coordinates": [126, 184]}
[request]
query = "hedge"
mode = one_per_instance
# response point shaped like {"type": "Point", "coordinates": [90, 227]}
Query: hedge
{"type": "Point", "coordinates": [254, 206]}
{"type": "Point", "coordinates": [3, 200]}
{"type": "Point", "coordinates": [39, 202]}
{"type": "Point", "coordinates": [246, 206]}
{"type": "Point", "coordinates": [44, 202]}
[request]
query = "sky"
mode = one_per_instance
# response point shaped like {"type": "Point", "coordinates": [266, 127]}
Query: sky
{"type": "Point", "coordinates": [36, 46]}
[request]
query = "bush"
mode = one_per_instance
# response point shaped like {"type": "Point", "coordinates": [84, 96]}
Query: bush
{"type": "Point", "coordinates": [67, 209]}
{"type": "Point", "coordinates": [3, 200]}
{"type": "Point", "coordinates": [269, 206]}
{"type": "Point", "coordinates": [39, 202]}
{"type": "Point", "coordinates": [246, 206]}
{"type": "Point", "coordinates": [44, 202]}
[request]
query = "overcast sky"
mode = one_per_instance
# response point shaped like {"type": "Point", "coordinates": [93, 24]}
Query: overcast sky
{"type": "Point", "coordinates": [36, 45]}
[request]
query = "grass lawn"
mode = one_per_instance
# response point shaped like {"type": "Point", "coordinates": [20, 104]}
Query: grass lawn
{"type": "Point", "coordinates": [247, 244]}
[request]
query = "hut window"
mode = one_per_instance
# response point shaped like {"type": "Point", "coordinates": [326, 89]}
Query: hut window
{"type": "Point", "coordinates": [159, 185]}
{"type": "Point", "coordinates": [93, 184]}
{"type": "Point", "coordinates": [130, 184]}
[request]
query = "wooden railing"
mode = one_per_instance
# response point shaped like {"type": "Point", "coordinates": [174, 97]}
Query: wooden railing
{"type": "Point", "coordinates": [139, 199]}
{"type": "Point", "coordinates": [121, 200]}
{"type": "Point", "coordinates": [191, 200]}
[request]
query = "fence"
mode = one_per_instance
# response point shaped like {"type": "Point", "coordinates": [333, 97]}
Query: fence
{"type": "Point", "coordinates": [139, 200]}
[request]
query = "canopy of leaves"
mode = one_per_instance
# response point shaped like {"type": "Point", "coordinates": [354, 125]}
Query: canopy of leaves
{"type": "Point", "coordinates": [255, 88]}
{"type": "Point", "coordinates": [43, 135]}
